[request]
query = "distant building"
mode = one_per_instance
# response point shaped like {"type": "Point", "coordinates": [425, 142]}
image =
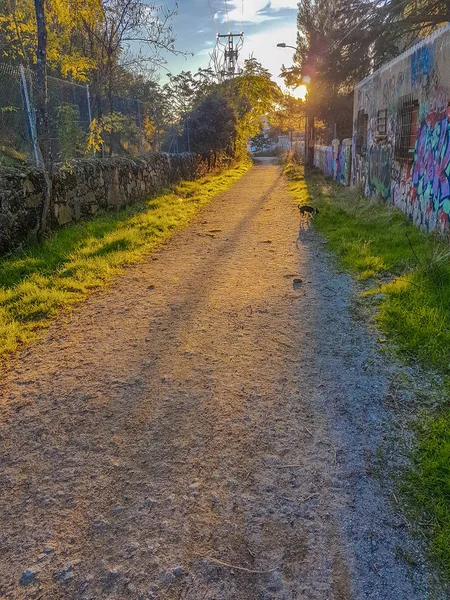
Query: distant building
{"type": "Point", "coordinates": [296, 139]}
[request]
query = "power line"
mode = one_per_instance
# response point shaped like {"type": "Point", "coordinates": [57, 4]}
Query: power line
{"type": "Point", "coordinates": [212, 16]}
{"type": "Point", "coordinates": [231, 51]}
{"type": "Point", "coordinates": [228, 16]}
{"type": "Point", "coordinates": [368, 16]}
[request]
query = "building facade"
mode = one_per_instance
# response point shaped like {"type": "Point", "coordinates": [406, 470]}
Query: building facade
{"type": "Point", "coordinates": [401, 141]}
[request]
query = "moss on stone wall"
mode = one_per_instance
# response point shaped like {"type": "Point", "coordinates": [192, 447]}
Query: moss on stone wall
{"type": "Point", "coordinates": [82, 188]}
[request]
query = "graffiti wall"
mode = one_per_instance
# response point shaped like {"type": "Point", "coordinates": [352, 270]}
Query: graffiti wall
{"type": "Point", "coordinates": [324, 160]}
{"type": "Point", "coordinates": [343, 162]}
{"type": "Point", "coordinates": [401, 143]}
{"type": "Point", "coordinates": [335, 160]}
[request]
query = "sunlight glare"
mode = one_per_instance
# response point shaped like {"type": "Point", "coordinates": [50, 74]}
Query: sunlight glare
{"type": "Point", "coordinates": [299, 92]}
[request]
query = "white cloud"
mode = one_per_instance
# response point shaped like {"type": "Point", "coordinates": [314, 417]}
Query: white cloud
{"type": "Point", "coordinates": [263, 46]}
{"type": "Point", "coordinates": [279, 4]}
{"type": "Point", "coordinates": [256, 11]}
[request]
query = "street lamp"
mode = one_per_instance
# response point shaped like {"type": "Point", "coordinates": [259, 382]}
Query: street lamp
{"type": "Point", "coordinates": [309, 133]}
{"type": "Point", "coordinates": [283, 45]}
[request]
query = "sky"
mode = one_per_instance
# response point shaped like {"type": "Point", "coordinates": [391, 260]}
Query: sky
{"type": "Point", "coordinates": [264, 22]}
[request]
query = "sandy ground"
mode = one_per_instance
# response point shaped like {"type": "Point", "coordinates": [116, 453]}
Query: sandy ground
{"type": "Point", "coordinates": [219, 404]}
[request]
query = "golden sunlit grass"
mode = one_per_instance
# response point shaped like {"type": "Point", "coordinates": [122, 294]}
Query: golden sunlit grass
{"type": "Point", "coordinates": [409, 272]}
{"type": "Point", "coordinates": [41, 280]}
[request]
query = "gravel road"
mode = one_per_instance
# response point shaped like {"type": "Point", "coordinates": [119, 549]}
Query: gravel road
{"type": "Point", "coordinates": [205, 429]}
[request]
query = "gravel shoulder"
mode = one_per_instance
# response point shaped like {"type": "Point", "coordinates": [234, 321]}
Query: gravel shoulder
{"type": "Point", "coordinates": [207, 428]}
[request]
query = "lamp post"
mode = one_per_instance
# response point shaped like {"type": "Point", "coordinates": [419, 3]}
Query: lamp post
{"type": "Point", "coordinates": [309, 128]}
{"type": "Point", "coordinates": [283, 45]}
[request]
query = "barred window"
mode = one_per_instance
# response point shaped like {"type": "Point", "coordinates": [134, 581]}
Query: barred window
{"type": "Point", "coordinates": [361, 132]}
{"type": "Point", "coordinates": [408, 127]}
{"type": "Point", "coordinates": [382, 123]}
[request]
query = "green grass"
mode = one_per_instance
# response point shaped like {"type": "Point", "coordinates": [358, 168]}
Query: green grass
{"type": "Point", "coordinates": [426, 486]}
{"type": "Point", "coordinates": [408, 273]}
{"type": "Point", "coordinates": [409, 270]}
{"type": "Point", "coordinates": [40, 281]}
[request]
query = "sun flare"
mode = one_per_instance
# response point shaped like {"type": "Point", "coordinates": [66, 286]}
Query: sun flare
{"type": "Point", "coordinates": [299, 92]}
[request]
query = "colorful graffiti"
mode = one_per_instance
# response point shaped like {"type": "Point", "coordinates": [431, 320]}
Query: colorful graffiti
{"type": "Point", "coordinates": [379, 160]}
{"type": "Point", "coordinates": [403, 193]}
{"type": "Point", "coordinates": [418, 183]}
{"type": "Point", "coordinates": [422, 62]}
{"type": "Point", "coordinates": [324, 159]}
{"type": "Point", "coordinates": [343, 163]}
{"type": "Point", "coordinates": [359, 168]}
{"type": "Point", "coordinates": [335, 160]}
{"type": "Point", "coordinates": [431, 168]}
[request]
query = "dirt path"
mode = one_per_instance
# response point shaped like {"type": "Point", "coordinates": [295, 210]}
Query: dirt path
{"type": "Point", "coordinates": [206, 408]}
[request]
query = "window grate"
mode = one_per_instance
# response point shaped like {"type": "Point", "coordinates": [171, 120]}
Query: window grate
{"type": "Point", "coordinates": [408, 127]}
{"type": "Point", "coordinates": [362, 126]}
{"type": "Point", "coordinates": [382, 123]}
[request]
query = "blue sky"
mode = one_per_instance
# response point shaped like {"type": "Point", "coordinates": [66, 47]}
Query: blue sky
{"type": "Point", "coordinates": [265, 23]}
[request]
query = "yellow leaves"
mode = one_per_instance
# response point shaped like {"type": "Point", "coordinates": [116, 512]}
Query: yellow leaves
{"type": "Point", "coordinates": [18, 27]}
{"type": "Point", "coordinates": [95, 138]}
{"type": "Point", "coordinates": [113, 123]}
{"type": "Point", "coordinates": [149, 128]}
{"type": "Point", "coordinates": [75, 65]}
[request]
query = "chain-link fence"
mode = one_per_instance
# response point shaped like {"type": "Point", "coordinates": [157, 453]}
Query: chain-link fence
{"type": "Point", "coordinates": [15, 136]}
{"type": "Point", "coordinates": [79, 125]}
{"type": "Point", "coordinates": [69, 118]}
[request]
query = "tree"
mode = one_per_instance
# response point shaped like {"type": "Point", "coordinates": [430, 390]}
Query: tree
{"type": "Point", "coordinates": [342, 41]}
{"type": "Point", "coordinates": [42, 110]}
{"type": "Point", "coordinates": [185, 91]}
{"type": "Point", "coordinates": [260, 142]}
{"type": "Point", "coordinates": [126, 34]}
{"type": "Point", "coordinates": [213, 126]}
{"type": "Point", "coordinates": [253, 95]}
{"type": "Point", "coordinates": [289, 114]}
{"type": "Point", "coordinates": [19, 39]}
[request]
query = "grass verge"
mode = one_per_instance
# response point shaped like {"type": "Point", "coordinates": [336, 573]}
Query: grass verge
{"type": "Point", "coordinates": [408, 274]}
{"type": "Point", "coordinates": [39, 281]}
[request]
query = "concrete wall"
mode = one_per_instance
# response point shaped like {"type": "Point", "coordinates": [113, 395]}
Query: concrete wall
{"type": "Point", "coordinates": [335, 160]}
{"type": "Point", "coordinates": [84, 187]}
{"type": "Point", "coordinates": [419, 184]}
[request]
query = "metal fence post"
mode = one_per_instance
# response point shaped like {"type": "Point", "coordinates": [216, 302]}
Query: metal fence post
{"type": "Point", "coordinates": [141, 137]}
{"type": "Point", "coordinates": [30, 115]}
{"type": "Point", "coordinates": [88, 96]}
{"type": "Point", "coordinates": [187, 134]}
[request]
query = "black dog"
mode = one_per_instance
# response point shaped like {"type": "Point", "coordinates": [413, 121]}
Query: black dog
{"type": "Point", "coordinates": [305, 208]}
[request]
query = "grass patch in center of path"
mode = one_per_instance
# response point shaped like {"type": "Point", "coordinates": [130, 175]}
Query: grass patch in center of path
{"type": "Point", "coordinates": [408, 274]}
{"type": "Point", "coordinates": [41, 280]}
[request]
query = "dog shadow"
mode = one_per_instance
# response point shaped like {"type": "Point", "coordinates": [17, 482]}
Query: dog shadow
{"type": "Point", "coordinates": [305, 226]}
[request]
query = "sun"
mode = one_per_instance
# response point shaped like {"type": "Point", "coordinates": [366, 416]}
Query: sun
{"type": "Point", "coordinates": [299, 92]}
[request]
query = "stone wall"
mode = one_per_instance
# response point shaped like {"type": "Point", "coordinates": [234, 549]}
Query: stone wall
{"type": "Point", "coordinates": [84, 187]}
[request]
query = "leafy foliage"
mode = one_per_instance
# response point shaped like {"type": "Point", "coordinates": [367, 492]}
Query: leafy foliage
{"type": "Point", "coordinates": [339, 42]}
{"type": "Point", "coordinates": [70, 135]}
{"type": "Point", "coordinates": [214, 126]}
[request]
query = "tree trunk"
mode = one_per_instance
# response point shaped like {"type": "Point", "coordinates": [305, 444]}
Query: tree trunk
{"type": "Point", "coordinates": [111, 103]}
{"type": "Point", "coordinates": [42, 113]}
